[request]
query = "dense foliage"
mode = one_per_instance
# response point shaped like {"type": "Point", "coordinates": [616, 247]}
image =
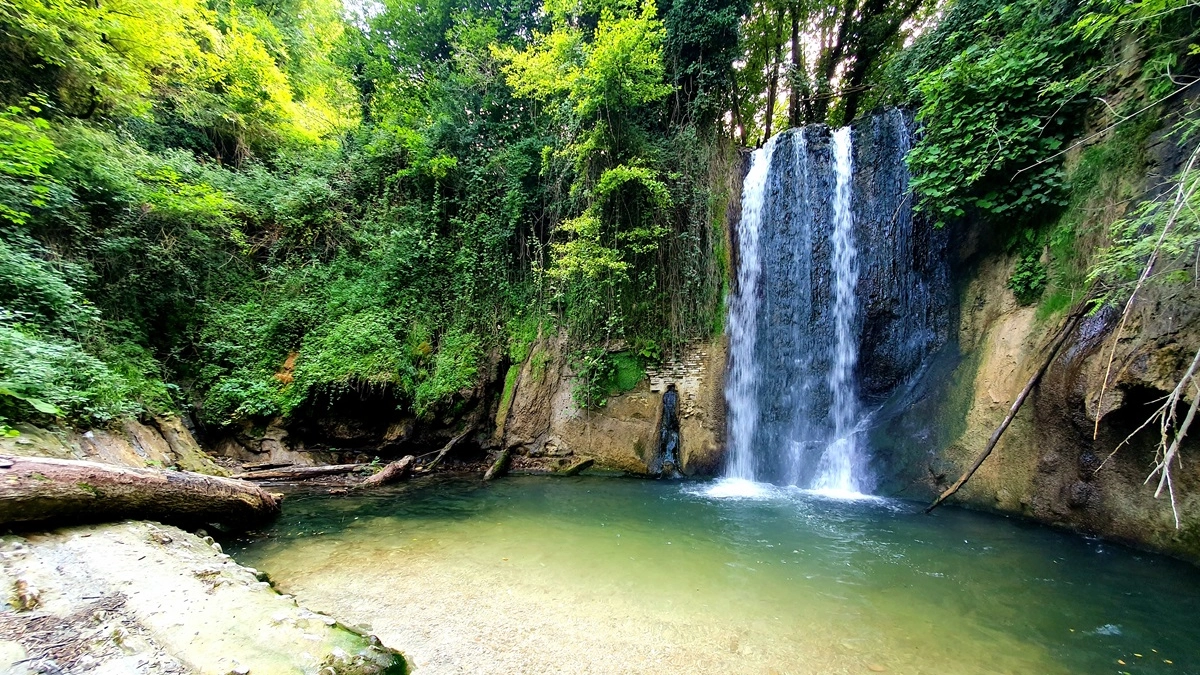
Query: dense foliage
{"type": "Point", "coordinates": [247, 209]}
{"type": "Point", "coordinates": [1027, 107]}
{"type": "Point", "coordinates": [252, 208]}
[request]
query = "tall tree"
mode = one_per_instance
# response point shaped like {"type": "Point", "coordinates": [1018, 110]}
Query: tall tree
{"type": "Point", "coordinates": [834, 51]}
{"type": "Point", "coordinates": [701, 45]}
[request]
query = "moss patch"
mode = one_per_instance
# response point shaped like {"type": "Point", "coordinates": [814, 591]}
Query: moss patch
{"type": "Point", "coordinates": [627, 371]}
{"type": "Point", "coordinates": [510, 387]}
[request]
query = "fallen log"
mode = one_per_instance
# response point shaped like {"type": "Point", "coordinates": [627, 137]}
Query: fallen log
{"type": "Point", "coordinates": [578, 467]}
{"type": "Point", "coordinates": [446, 449]}
{"type": "Point", "coordinates": [265, 465]}
{"type": "Point", "coordinates": [1051, 353]}
{"type": "Point", "coordinates": [59, 491]}
{"type": "Point", "coordinates": [301, 472]}
{"type": "Point", "coordinates": [499, 467]}
{"type": "Point", "coordinates": [392, 473]}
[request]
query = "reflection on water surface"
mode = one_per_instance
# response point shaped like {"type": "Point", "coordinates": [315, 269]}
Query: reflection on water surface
{"type": "Point", "coordinates": [606, 575]}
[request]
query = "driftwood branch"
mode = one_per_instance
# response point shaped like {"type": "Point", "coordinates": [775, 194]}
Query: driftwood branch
{"type": "Point", "coordinates": [447, 448]}
{"type": "Point", "coordinates": [499, 467]}
{"type": "Point", "coordinates": [260, 466]}
{"type": "Point", "coordinates": [1066, 331]}
{"type": "Point", "coordinates": [44, 490]}
{"type": "Point", "coordinates": [392, 473]}
{"type": "Point", "coordinates": [301, 472]}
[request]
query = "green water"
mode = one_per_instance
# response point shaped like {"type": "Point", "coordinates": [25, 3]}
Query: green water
{"type": "Point", "coordinates": [612, 575]}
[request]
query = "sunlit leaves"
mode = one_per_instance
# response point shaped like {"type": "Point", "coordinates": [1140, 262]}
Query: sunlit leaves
{"type": "Point", "coordinates": [25, 154]}
{"type": "Point", "coordinates": [598, 83]}
{"type": "Point", "coordinates": [547, 69]}
{"type": "Point", "coordinates": [584, 254]}
{"type": "Point", "coordinates": [623, 68]}
{"type": "Point", "coordinates": [234, 73]}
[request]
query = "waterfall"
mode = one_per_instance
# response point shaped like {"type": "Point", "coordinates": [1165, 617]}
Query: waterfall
{"type": "Point", "coordinates": [840, 296]}
{"type": "Point", "coordinates": [743, 308]}
{"type": "Point", "coordinates": [840, 468]}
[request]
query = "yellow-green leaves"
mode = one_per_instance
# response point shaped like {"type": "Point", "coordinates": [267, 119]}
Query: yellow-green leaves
{"type": "Point", "coordinates": [25, 151]}
{"type": "Point", "coordinates": [588, 252]}
{"type": "Point", "coordinates": [547, 69]}
{"type": "Point", "coordinates": [600, 84]}
{"type": "Point", "coordinates": [624, 68]}
{"type": "Point", "coordinates": [584, 253]}
{"type": "Point", "coordinates": [618, 69]}
{"type": "Point", "coordinates": [233, 72]}
{"type": "Point", "coordinates": [622, 177]}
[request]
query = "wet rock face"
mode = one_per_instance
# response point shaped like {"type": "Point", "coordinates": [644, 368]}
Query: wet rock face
{"type": "Point", "coordinates": [903, 292]}
{"type": "Point", "coordinates": [665, 462]}
{"type": "Point", "coordinates": [904, 283]}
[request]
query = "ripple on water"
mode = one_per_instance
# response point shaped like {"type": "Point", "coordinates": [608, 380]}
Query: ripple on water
{"type": "Point", "coordinates": [734, 488]}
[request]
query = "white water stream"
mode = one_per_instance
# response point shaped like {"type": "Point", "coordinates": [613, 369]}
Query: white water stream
{"type": "Point", "coordinates": [742, 384]}
{"type": "Point", "coordinates": [822, 452]}
{"type": "Point", "coordinates": [841, 464]}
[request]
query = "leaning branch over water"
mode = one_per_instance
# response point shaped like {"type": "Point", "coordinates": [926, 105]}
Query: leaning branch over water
{"type": "Point", "coordinates": [1066, 330]}
{"type": "Point", "coordinates": [447, 448]}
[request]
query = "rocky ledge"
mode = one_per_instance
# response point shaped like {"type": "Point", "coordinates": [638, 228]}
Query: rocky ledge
{"type": "Point", "coordinates": [138, 597]}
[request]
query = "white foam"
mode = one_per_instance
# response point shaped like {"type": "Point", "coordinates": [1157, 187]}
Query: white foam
{"type": "Point", "coordinates": [842, 495]}
{"type": "Point", "coordinates": [737, 488]}
{"type": "Point", "coordinates": [741, 489]}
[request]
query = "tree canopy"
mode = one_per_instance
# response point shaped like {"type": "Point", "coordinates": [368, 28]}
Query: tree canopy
{"type": "Point", "coordinates": [243, 209]}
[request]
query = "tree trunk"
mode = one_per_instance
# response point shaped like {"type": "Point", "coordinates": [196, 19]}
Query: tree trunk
{"type": "Point", "coordinates": [881, 23]}
{"type": "Point", "coordinates": [392, 473]}
{"type": "Point", "coordinates": [262, 466]}
{"type": "Point", "coordinates": [43, 490]}
{"type": "Point", "coordinates": [301, 472]}
{"type": "Point", "coordinates": [773, 85]}
{"type": "Point", "coordinates": [739, 127]}
{"type": "Point", "coordinates": [448, 447]}
{"type": "Point", "coordinates": [829, 62]}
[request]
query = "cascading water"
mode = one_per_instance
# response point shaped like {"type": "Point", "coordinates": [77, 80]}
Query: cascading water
{"type": "Point", "coordinates": [839, 299]}
{"type": "Point", "coordinates": [840, 468]}
{"type": "Point", "coordinates": [743, 377]}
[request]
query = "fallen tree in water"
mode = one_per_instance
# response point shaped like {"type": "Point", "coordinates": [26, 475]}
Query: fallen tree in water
{"type": "Point", "coordinates": [392, 473]}
{"type": "Point", "coordinates": [44, 490]}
